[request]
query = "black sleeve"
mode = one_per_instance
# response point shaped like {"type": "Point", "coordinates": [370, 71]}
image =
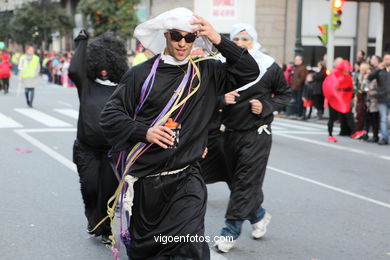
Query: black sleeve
{"type": "Point", "coordinates": [221, 102]}
{"type": "Point", "coordinates": [305, 91]}
{"type": "Point", "coordinates": [240, 68]}
{"type": "Point", "coordinates": [116, 119]}
{"type": "Point", "coordinates": [374, 74]}
{"type": "Point", "coordinates": [281, 93]}
{"type": "Point", "coordinates": [320, 76]}
{"type": "Point", "coordinates": [77, 68]}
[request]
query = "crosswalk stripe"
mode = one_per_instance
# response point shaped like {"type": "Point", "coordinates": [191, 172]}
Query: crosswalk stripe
{"type": "Point", "coordinates": [292, 125]}
{"type": "Point", "coordinates": [298, 132]}
{"type": "Point", "coordinates": [7, 122]}
{"type": "Point", "coordinates": [42, 117]}
{"type": "Point", "coordinates": [305, 123]}
{"type": "Point", "coordinates": [300, 123]}
{"type": "Point", "coordinates": [68, 112]}
{"type": "Point", "coordinates": [278, 128]}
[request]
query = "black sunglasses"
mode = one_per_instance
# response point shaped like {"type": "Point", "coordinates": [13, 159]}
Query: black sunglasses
{"type": "Point", "coordinates": [176, 36]}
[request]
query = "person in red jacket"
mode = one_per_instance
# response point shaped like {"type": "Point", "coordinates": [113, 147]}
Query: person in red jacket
{"type": "Point", "coordinates": [338, 90]}
{"type": "Point", "coordinates": [5, 72]}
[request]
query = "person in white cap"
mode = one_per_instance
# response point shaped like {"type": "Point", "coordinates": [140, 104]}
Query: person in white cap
{"type": "Point", "coordinates": [169, 201]}
{"type": "Point", "coordinates": [247, 139]}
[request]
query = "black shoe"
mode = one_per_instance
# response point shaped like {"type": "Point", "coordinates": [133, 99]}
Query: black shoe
{"type": "Point", "coordinates": [89, 229]}
{"type": "Point", "coordinates": [106, 240]}
{"type": "Point", "coordinates": [383, 142]}
{"type": "Point", "coordinates": [365, 137]}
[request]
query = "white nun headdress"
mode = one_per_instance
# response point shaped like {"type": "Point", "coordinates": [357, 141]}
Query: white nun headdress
{"type": "Point", "coordinates": [151, 32]}
{"type": "Point", "coordinates": [263, 60]}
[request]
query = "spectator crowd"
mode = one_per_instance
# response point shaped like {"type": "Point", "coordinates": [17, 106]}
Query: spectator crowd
{"type": "Point", "coordinates": [368, 106]}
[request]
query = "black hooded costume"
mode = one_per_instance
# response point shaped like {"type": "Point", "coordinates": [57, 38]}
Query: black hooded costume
{"type": "Point", "coordinates": [243, 148]}
{"type": "Point", "coordinates": [247, 146]}
{"type": "Point", "coordinates": [171, 205]}
{"type": "Point", "coordinates": [95, 69]}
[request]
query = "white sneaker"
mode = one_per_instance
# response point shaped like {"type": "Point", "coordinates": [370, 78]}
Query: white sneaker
{"type": "Point", "coordinates": [224, 244]}
{"type": "Point", "coordinates": [260, 228]}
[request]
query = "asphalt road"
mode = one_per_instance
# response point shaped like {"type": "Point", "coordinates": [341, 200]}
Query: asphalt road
{"type": "Point", "coordinates": [328, 201]}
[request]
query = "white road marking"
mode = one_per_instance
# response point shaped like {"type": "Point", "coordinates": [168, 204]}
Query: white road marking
{"type": "Point", "coordinates": [7, 122]}
{"type": "Point", "coordinates": [46, 149]}
{"type": "Point", "coordinates": [68, 112]}
{"type": "Point", "coordinates": [42, 117]}
{"type": "Point", "coordinates": [330, 187]}
{"type": "Point", "coordinates": [288, 133]}
{"type": "Point", "coordinates": [296, 122]}
{"type": "Point", "coordinates": [310, 124]}
{"type": "Point", "coordinates": [331, 145]}
{"type": "Point", "coordinates": [278, 128]}
{"type": "Point", "coordinates": [65, 103]}
{"type": "Point", "coordinates": [293, 125]}
{"type": "Point", "coordinates": [296, 132]}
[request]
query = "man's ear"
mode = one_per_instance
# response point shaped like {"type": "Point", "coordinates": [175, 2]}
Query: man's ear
{"type": "Point", "coordinates": [166, 35]}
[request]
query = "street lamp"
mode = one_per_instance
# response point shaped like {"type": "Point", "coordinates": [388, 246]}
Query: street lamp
{"type": "Point", "coordinates": [298, 35]}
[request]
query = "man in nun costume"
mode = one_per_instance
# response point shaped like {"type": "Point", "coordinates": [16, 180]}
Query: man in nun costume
{"type": "Point", "coordinates": [169, 192]}
{"type": "Point", "coordinates": [247, 139]}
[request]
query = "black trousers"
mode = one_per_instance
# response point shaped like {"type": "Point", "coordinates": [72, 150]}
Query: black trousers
{"type": "Point", "coordinates": [319, 103]}
{"type": "Point", "coordinates": [5, 85]}
{"type": "Point", "coordinates": [361, 111]}
{"type": "Point", "coordinates": [297, 95]}
{"type": "Point", "coordinates": [372, 122]}
{"type": "Point", "coordinates": [247, 156]}
{"type": "Point", "coordinates": [29, 93]}
{"type": "Point", "coordinates": [171, 205]}
{"type": "Point", "coordinates": [98, 183]}
{"type": "Point", "coordinates": [344, 117]}
{"type": "Point", "coordinates": [57, 79]}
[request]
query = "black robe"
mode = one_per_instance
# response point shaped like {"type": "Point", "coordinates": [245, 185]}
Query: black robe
{"type": "Point", "coordinates": [272, 91]}
{"type": "Point", "coordinates": [184, 200]}
{"type": "Point", "coordinates": [246, 151]}
{"type": "Point", "coordinates": [214, 165]}
{"type": "Point", "coordinates": [97, 179]}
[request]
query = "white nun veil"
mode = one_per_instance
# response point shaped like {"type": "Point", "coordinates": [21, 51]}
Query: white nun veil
{"type": "Point", "coordinates": [151, 32]}
{"type": "Point", "coordinates": [263, 60]}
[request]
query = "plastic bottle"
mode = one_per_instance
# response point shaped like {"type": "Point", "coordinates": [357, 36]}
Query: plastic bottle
{"type": "Point", "coordinates": [175, 127]}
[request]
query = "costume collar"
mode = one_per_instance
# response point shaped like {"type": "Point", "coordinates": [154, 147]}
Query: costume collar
{"type": "Point", "coordinates": [263, 61]}
{"type": "Point", "coordinates": [105, 82]}
{"type": "Point", "coordinates": [168, 59]}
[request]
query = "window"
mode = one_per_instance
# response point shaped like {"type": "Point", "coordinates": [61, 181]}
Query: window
{"type": "Point", "coordinates": [313, 54]}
